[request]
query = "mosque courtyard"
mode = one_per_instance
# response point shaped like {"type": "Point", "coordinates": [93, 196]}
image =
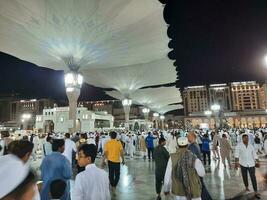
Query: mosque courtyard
{"type": "Point", "coordinates": [137, 180]}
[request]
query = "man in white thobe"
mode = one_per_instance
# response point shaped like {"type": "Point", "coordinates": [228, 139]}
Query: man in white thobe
{"type": "Point", "coordinates": [70, 147]}
{"type": "Point", "coordinates": [93, 183]}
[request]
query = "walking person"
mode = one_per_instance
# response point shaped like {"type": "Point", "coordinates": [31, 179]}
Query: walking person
{"type": "Point", "coordinates": [257, 144]}
{"type": "Point", "coordinates": [206, 149]}
{"type": "Point", "coordinates": [142, 144]}
{"type": "Point", "coordinates": [131, 146]}
{"type": "Point", "coordinates": [81, 141]}
{"type": "Point", "coordinates": [70, 148]}
{"type": "Point", "coordinates": [55, 166]}
{"type": "Point", "coordinates": [183, 172]}
{"type": "Point", "coordinates": [161, 156]}
{"type": "Point", "coordinates": [113, 151]}
{"type": "Point", "coordinates": [247, 158]}
{"type": "Point", "coordinates": [215, 146]}
{"type": "Point", "coordinates": [172, 143]}
{"type": "Point", "coordinates": [225, 150]}
{"type": "Point", "coordinates": [23, 150]}
{"type": "Point", "coordinates": [47, 146]}
{"type": "Point", "coordinates": [93, 183]}
{"type": "Point", "coordinates": [193, 146]}
{"type": "Point", "coordinates": [5, 137]}
{"type": "Point", "coordinates": [150, 146]}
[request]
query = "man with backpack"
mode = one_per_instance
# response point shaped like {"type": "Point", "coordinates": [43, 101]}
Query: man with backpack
{"type": "Point", "coordinates": [183, 172]}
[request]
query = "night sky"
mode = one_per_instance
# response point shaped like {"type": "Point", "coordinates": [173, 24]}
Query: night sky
{"type": "Point", "coordinates": [218, 41]}
{"type": "Point", "coordinates": [214, 42]}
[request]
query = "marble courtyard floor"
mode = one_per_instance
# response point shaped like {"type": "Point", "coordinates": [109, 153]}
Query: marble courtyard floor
{"type": "Point", "coordinates": [137, 181]}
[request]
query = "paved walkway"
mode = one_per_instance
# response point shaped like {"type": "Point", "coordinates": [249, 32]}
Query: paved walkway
{"type": "Point", "coordinates": [137, 181]}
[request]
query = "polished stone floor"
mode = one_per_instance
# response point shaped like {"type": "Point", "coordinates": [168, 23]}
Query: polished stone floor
{"type": "Point", "coordinates": [137, 181]}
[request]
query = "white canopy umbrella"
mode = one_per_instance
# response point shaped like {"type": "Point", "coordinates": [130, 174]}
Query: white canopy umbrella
{"type": "Point", "coordinates": [77, 35]}
{"type": "Point", "coordinates": [168, 108]}
{"type": "Point", "coordinates": [83, 34]}
{"type": "Point", "coordinates": [130, 78]}
{"type": "Point", "coordinates": [152, 97]}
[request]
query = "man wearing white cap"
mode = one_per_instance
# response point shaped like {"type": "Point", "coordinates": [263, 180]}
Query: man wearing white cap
{"type": "Point", "coordinates": [20, 183]}
{"type": "Point", "coordinates": [184, 183]}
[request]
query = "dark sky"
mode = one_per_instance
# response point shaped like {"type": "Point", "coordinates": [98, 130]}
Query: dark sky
{"type": "Point", "coordinates": [214, 41]}
{"type": "Point", "coordinates": [30, 81]}
{"type": "Point", "coordinates": [218, 41]}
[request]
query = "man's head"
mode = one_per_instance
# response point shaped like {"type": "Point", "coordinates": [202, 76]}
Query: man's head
{"type": "Point", "coordinates": [58, 145]}
{"type": "Point", "coordinates": [67, 135]}
{"type": "Point", "coordinates": [113, 135]}
{"type": "Point", "coordinates": [57, 188]}
{"type": "Point", "coordinates": [49, 139]}
{"type": "Point", "coordinates": [18, 181]}
{"type": "Point", "coordinates": [191, 137]}
{"type": "Point", "coordinates": [86, 154]}
{"type": "Point", "coordinates": [245, 138]}
{"type": "Point", "coordinates": [162, 141]}
{"type": "Point", "coordinates": [24, 191]}
{"type": "Point", "coordinates": [182, 142]}
{"type": "Point", "coordinates": [83, 136]}
{"type": "Point", "coordinates": [22, 149]}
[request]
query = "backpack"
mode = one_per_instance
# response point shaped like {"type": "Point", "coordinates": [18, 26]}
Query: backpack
{"type": "Point", "coordinates": [182, 169]}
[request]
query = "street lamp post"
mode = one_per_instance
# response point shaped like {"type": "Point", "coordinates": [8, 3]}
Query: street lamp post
{"type": "Point", "coordinates": [162, 117]}
{"type": "Point", "coordinates": [127, 107]}
{"type": "Point", "coordinates": [146, 113]}
{"type": "Point", "coordinates": [73, 84]}
{"type": "Point", "coordinates": [216, 109]}
{"type": "Point", "coordinates": [156, 116]}
{"type": "Point", "coordinates": [208, 113]}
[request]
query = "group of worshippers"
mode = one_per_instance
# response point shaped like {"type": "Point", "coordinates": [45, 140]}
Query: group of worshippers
{"type": "Point", "coordinates": [178, 160]}
{"type": "Point", "coordinates": [17, 181]}
{"type": "Point", "coordinates": [180, 170]}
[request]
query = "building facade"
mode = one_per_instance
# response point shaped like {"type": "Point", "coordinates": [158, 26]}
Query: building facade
{"type": "Point", "coordinates": [23, 112]}
{"type": "Point", "coordinates": [195, 99]}
{"type": "Point", "coordinates": [57, 120]}
{"type": "Point", "coordinates": [246, 96]}
{"type": "Point", "coordinates": [242, 105]}
{"type": "Point", "coordinates": [115, 108]}
{"type": "Point", "coordinates": [220, 94]}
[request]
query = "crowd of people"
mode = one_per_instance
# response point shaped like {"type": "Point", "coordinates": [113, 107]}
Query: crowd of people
{"type": "Point", "coordinates": [181, 158]}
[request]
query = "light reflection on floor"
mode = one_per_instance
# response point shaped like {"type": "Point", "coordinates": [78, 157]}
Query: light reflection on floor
{"type": "Point", "coordinates": [137, 180]}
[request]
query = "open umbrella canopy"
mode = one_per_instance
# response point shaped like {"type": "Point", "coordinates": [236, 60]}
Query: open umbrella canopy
{"type": "Point", "coordinates": [128, 79]}
{"type": "Point", "coordinates": [164, 109]}
{"type": "Point", "coordinates": [154, 98]}
{"type": "Point", "coordinates": [83, 34]}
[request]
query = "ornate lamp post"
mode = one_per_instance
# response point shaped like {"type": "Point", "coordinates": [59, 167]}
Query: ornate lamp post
{"type": "Point", "coordinates": [162, 117]}
{"type": "Point", "coordinates": [146, 113]}
{"type": "Point", "coordinates": [156, 116]}
{"type": "Point", "coordinates": [127, 107]}
{"type": "Point", "coordinates": [208, 113]}
{"type": "Point", "coordinates": [73, 84]}
{"type": "Point", "coordinates": [216, 109]}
